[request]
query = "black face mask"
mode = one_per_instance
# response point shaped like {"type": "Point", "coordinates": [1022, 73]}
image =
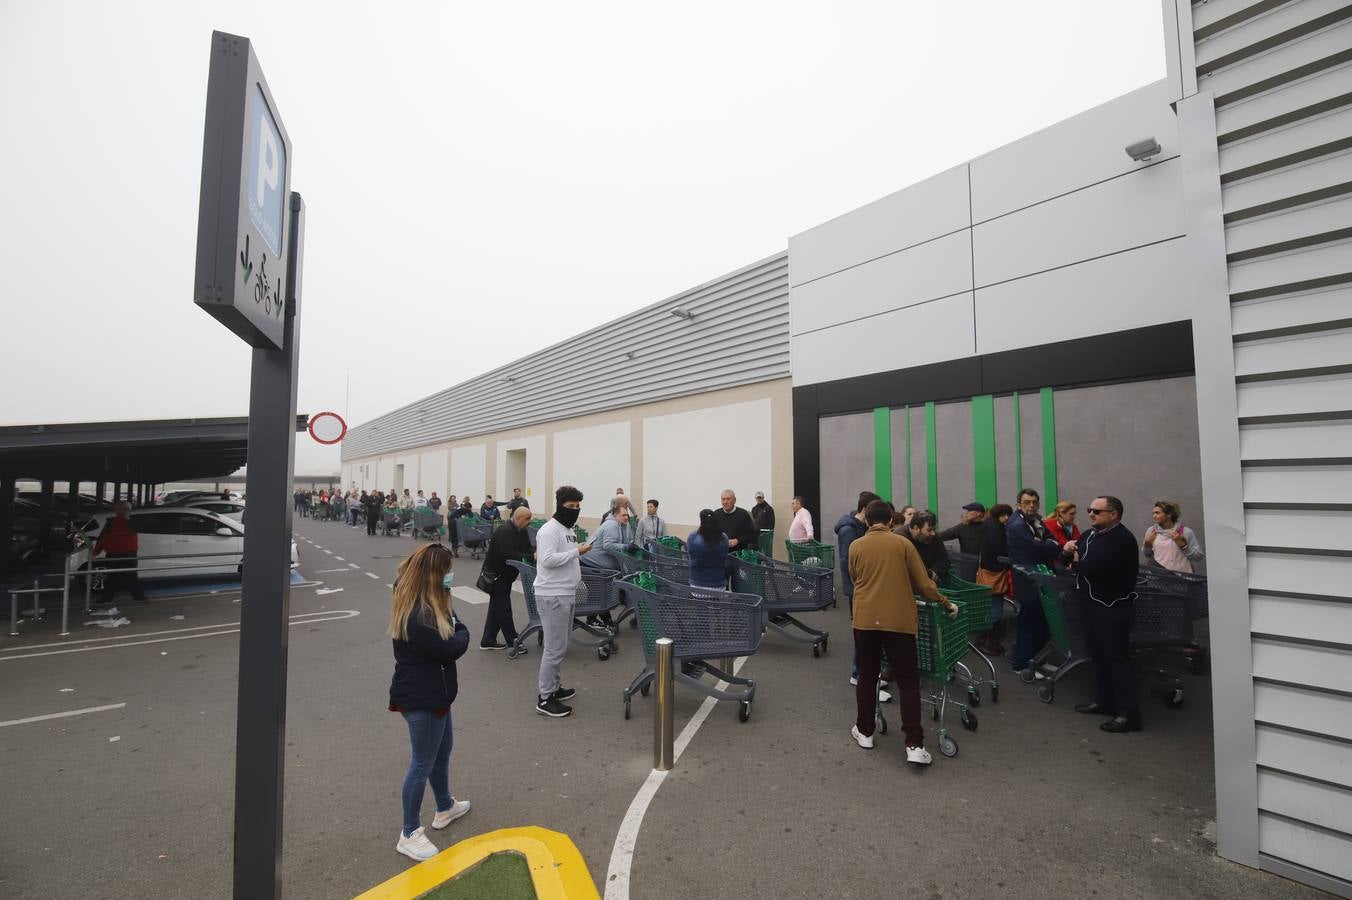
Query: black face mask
{"type": "Point", "coordinates": [566, 517]}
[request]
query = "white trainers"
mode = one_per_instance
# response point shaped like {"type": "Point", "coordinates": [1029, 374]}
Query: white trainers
{"type": "Point", "coordinates": [882, 685]}
{"type": "Point", "coordinates": [442, 819]}
{"type": "Point", "coordinates": [863, 740]}
{"type": "Point", "coordinates": [884, 696]}
{"type": "Point", "coordinates": [416, 846]}
{"type": "Point", "coordinates": [918, 755]}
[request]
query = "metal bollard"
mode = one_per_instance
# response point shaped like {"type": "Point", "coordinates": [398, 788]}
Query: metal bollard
{"type": "Point", "coordinates": [38, 615]}
{"type": "Point", "coordinates": [65, 601]}
{"type": "Point", "coordinates": [13, 614]}
{"type": "Point", "coordinates": [664, 709]}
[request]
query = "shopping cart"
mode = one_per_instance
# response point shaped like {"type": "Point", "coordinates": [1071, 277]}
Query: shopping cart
{"type": "Point", "coordinates": [666, 565]}
{"type": "Point", "coordinates": [965, 563]}
{"type": "Point", "coordinates": [1192, 590]}
{"type": "Point", "coordinates": [941, 641]}
{"type": "Point", "coordinates": [426, 524]}
{"type": "Point", "coordinates": [668, 542]}
{"type": "Point", "coordinates": [475, 534]}
{"type": "Point", "coordinates": [596, 594]}
{"type": "Point", "coordinates": [786, 589]}
{"type": "Point", "coordinates": [391, 524]}
{"type": "Point", "coordinates": [804, 552]}
{"type": "Point", "coordinates": [972, 600]}
{"type": "Point", "coordinates": [704, 625]}
{"type": "Point", "coordinates": [765, 541]}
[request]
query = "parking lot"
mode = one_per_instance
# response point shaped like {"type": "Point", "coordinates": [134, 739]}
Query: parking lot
{"type": "Point", "coordinates": [133, 794]}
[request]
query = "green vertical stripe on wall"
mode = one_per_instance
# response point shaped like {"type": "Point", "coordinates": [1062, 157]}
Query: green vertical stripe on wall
{"type": "Point", "coordinates": [1018, 444]}
{"type": "Point", "coordinates": [931, 458]}
{"type": "Point", "coordinates": [882, 452]}
{"type": "Point", "coordinates": [983, 448]}
{"type": "Point", "coordinates": [910, 500]}
{"type": "Point", "coordinates": [1049, 494]}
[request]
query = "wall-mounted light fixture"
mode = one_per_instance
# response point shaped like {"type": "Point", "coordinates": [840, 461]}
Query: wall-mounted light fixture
{"type": "Point", "coordinates": [682, 314]}
{"type": "Point", "coordinates": [1143, 150]}
{"type": "Point", "coordinates": [629, 354]}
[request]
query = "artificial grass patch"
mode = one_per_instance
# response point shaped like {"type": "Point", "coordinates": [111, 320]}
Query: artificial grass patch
{"type": "Point", "coordinates": [500, 876]}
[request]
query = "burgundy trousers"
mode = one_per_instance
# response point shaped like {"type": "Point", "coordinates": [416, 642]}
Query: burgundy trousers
{"type": "Point", "coordinates": [905, 686]}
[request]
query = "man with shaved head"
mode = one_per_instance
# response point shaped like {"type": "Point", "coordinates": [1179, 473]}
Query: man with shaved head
{"type": "Point", "coordinates": [511, 540]}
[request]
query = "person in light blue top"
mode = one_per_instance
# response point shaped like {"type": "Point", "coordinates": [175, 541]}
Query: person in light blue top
{"type": "Point", "coordinates": [708, 549]}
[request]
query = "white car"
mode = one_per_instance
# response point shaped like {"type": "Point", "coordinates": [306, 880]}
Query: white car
{"type": "Point", "coordinates": [195, 535]}
{"type": "Point", "coordinates": [232, 508]}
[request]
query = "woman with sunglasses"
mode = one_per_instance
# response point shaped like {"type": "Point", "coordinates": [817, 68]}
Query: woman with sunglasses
{"type": "Point", "coordinates": [428, 639]}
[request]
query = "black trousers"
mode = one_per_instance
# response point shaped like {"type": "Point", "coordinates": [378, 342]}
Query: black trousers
{"type": "Point", "coordinates": [1108, 631]}
{"type": "Point", "coordinates": [371, 524]}
{"type": "Point", "coordinates": [499, 617]}
{"type": "Point", "coordinates": [115, 580]}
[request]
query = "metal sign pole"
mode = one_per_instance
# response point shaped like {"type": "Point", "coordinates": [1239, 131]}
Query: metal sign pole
{"type": "Point", "coordinates": [260, 742]}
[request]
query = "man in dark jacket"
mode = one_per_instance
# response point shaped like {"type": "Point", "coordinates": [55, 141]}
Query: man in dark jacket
{"type": "Point", "coordinates": [1106, 563]}
{"type": "Point", "coordinates": [375, 501]}
{"type": "Point", "coordinates": [1029, 546]}
{"type": "Point", "coordinates": [511, 540]}
{"type": "Point", "coordinates": [736, 523]}
{"type": "Point", "coordinates": [969, 531]}
{"type": "Point", "coordinates": [517, 501]}
{"type": "Point", "coordinates": [849, 528]}
{"type": "Point", "coordinates": [763, 514]}
{"type": "Point", "coordinates": [933, 554]}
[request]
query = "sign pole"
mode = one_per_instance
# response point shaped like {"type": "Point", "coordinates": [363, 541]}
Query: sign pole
{"type": "Point", "coordinates": [260, 742]}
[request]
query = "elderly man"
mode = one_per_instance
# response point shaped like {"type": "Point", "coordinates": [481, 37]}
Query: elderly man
{"type": "Point", "coordinates": [1106, 563]}
{"type": "Point", "coordinates": [968, 531]}
{"type": "Point", "coordinates": [736, 523]}
{"type": "Point", "coordinates": [511, 540]}
{"type": "Point", "coordinates": [1029, 545]}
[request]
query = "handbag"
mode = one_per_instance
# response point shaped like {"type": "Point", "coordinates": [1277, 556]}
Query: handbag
{"type": "Point", "coordinates": [486, 581]}
{"type": "Point", "coordinates": [998, 582]}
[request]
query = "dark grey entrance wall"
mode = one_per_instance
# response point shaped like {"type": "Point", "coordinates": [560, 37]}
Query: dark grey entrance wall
{"type": "Point", "coordinates": [846, 467]}
{"type": "Point", "coordinates": [1137, 441]}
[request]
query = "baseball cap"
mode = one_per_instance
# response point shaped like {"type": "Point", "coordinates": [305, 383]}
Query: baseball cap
{"type": "Point", "coordinates": [760, 495]}
{"type": "Point", "coordinates": [975, 507]}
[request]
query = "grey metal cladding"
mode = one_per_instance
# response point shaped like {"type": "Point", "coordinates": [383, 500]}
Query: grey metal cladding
{"type": "Point", "coordinates": [739, 334]}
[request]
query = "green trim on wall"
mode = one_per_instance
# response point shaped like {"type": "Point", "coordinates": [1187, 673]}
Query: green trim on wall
{"type": "Point", "coordinates": [983, 449]}
{"type": "Point", "coordinates": [931, 458]}
{"type": "Point", "coordinates": [882, 452]}
{"type": "Point", "coordinates": [1049, 494]}
{"type": "Point", "coordinates": [1018, 444]}
{"type": "Point", "coordinates": [910, 500]}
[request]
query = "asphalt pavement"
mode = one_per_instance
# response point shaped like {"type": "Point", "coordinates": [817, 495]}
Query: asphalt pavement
{"type": "Point", "coordinates": [137, 800]}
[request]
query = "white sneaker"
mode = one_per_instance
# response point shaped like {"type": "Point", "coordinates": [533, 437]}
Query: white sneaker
{"type": "Point", "coordinates": [854, 681]}
{"type": "Point", "coordinates": [884, 696]}
{"type": "Point", "coordinates": [442, 819]}
{"type": "Point", "coordinates": [863, 740]}
{"type": "Point", "coordinates": [416, 846]}
{"type": "Point", "coordinates": [918, 755]}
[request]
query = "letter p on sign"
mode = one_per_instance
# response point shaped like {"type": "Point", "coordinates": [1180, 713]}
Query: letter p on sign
{"type": "Point", "coordinates": [269, 166]}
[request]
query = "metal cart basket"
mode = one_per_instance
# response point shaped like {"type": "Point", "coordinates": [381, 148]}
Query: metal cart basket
{"type": "Point", "coordinates": [596, 594]}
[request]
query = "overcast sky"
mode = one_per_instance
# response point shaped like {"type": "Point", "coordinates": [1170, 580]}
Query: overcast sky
{"type": "Point", "coordinates": [482, 179]}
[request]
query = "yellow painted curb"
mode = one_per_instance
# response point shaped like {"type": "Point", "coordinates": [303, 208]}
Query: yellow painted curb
{"type": "Point", "coordinates": [556, 865]}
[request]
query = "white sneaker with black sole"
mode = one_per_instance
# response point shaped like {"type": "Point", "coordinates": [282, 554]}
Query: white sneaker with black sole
{"type": "Point", "coordinates": [442, 819]}
{"type": "Point", "coordinates": [863, 740]}
{"type": "Point", "coordinates": [416, 846]}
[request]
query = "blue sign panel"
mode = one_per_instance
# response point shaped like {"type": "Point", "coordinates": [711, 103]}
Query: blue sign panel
{"type": "Point", "coordinates": [265, 173]}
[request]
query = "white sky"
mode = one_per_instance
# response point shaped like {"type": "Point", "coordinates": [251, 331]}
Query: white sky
{"type": "Point", "coordinates": [482, 179]}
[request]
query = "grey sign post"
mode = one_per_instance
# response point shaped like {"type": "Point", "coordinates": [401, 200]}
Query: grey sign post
{"type": "Point", "coordinates": [250, 244]}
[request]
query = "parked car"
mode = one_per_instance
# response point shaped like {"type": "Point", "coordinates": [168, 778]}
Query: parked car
{"type": "Point", "coordinates": [178, 498]}
{"type": "Point", "coordinates": [232, 508]}
{"type": "Point", "coordinates": [185, 532]}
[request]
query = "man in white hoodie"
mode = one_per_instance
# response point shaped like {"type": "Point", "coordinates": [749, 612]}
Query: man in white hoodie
{"type": "Point", "coordinates": [558, 574]}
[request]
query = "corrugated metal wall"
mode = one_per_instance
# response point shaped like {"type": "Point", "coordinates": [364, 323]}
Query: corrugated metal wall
{"type": "Point", "coordinates": [1280, 75]}
{"type": "Point", "coordinates": [739, 334]}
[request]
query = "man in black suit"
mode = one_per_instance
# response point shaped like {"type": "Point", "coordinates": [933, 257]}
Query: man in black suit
{"type": "Point", "coordinates": [1106, 563]}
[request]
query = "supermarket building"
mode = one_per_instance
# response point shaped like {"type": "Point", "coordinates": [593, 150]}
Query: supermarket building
{"type": "Point", "coordinates": [1170, 320]}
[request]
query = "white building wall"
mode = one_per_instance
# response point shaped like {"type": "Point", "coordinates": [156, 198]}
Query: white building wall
{"type": "Point", "coordinates": [432, 473]}
{"type": "Point", "coordinates": [469, 475]}
{"type": "Point", "coordinates": [594, 460]}
{"type": "Point", "coordinates": [534, 489]}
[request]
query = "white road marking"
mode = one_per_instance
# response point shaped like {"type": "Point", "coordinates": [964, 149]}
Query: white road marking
{"type": "Point", "coordinates": [373, 575]}
{"type": "Point", "coordinates": [62, 715]}
{"type": "Point", "coordinates": [322, 591]}
{"type": "Point", "coordinates": [472, 596]}
{"type": "Point", "coordinates": [220, 630]}
{"type": "Point", "coordinates": [329, 552]}
{"type": "Point", "coordinates": [330, 571]}
{"type": "Point", "coordinates": [340, 559]}
{"type": "Point", "coordinates": [622, 853]}
{"type": "Point", "coordinates": [353, 566]}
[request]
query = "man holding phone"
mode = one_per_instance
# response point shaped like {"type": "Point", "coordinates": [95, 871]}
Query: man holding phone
{"type": "Point", "coordinates": [558, 558]}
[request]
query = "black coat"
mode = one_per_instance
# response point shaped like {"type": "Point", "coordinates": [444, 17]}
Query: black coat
{"type": "Point", "coordinates": [424, 667]}
{"type": "Point", "coordinates": [737, 524]}
{"type": "Point", "coordinates": [1108, 565]}
{"type": "Point", "coordinates": [994, 544]}
{"type": "Point", "coordinates": [763, 514]}
{"type": "Point", "coordinates": [508, 542]}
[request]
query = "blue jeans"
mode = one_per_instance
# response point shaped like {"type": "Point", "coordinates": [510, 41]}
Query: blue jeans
{"type": "Point", "coordinates": [429, 737]}
{"type": "Point", "coordinates": [1032, 623]}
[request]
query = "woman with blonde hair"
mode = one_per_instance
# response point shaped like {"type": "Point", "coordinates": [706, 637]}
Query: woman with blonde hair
{"type": "Point", "coordinates": [428, 639]}
{"type": "Point", "coordinates": [1061, 523]}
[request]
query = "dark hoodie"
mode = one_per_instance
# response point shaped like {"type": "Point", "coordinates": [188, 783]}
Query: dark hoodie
{"type": "Point", "coordinates": [847, 530]}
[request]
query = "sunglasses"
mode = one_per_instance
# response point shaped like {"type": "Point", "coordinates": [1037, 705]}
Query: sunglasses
{"type": "Point", "coordinates": [1098, 512]}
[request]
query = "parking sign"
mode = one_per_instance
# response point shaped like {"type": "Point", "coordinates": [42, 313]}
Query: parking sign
{"type": "Point", "coordinates": [243, 213]}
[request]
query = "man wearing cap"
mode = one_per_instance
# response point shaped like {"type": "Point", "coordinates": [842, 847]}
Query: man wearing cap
{"type": "Point", "coordinates": [968, 531]}
{"type": "Point", "coordinates": [763, 514]}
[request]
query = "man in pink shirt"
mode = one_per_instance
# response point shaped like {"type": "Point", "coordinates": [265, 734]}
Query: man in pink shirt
{"type": "Point", "coordinates": [800, 529]}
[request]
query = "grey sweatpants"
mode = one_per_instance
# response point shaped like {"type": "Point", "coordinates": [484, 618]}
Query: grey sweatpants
{"type": "Point", "coordinates": [556, 619]}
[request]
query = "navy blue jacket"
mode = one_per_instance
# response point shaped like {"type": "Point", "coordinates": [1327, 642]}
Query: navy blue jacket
{"type": "Point", "coordinates": [1029, 543]}
{"type": "Point", "coordinates": [1108, 565]}
{"type": "Point", "coordinates": [848, 529]}
{"type": "Point", "coordinates": [424, 667]}
{"type": "Point", "coordinates": [708, 563]}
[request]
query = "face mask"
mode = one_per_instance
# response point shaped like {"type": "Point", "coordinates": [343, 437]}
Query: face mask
{"type": "Point", "coordinates": [566, 517]}
{"type": "Point", "coordinates": [448, 580]}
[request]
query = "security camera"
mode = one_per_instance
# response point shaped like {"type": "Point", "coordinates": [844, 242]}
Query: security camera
{"type": "Point", "coordinates": [1143, 150]}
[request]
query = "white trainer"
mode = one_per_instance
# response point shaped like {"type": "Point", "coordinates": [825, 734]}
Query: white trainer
{"type": "Point", "coordinates": [854, 681]}
{"type": "Point", "coordinates": [884, 696]}
{"type": "Point", "coordinates": [918, 755]}
{"type": "Point", "coordinates": [416, 846]}
{"type": "Point", "coordinates": [863, 740]}
{"type": "Point", "coordinates": [442, 819]}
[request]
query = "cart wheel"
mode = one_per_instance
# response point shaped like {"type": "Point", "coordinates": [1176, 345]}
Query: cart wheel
{"type": "Point", "coordinates": [744, 711]}
{"type": "Point", "coordinates": [947, 746]}
{"type": "Point", "coordinates": [882, 724]}
{"type": "Point", "coordinates": [1175, 698]}
{"type": "Point", "coordinates": [603, 653]}
{"type": "Point", "coordinates": [995, 693]}
{"type": "Point", "coordinates": [512, 651]}
{"type": "Point", "coordinates": [973, 697]}
{"type": "Point", "coordinates": [816, 651]}
{"type": "Point", "coordinates": [626, 707]}
{"type": "Point", "coordinates": [968, 720]}
{"type": "Point", "coordinates": [1027, 675]}
{"type": "Point", "coordinates": [645, 689]}
{"type": "Point", "coordinates": [1046, 693]}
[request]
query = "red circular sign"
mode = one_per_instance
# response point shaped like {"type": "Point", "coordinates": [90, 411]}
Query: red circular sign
{"type": "Point", "coordinates": [326, 428]}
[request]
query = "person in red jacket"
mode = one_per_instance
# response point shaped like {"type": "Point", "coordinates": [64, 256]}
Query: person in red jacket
{"type": "Point", "coordinates": [1061, 523]}
{"type": "Point", "coordinates": [119, 541]}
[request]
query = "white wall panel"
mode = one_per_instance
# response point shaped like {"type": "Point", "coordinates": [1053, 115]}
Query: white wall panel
{"type": "Point", "coordinates": [469, 472]}
{"type": "Point", "coordinates": [1289, 396]}
{"type": "Point", "coordinates": [1299, 311]}
{"type": "Point", "coordinates": [534, 488]}
{"type": "Point", "coordinates": [1308, 801]}
{"type": "Point", "coordinates": [1129, 211]}
{"type": "Point", "coordinates": [934, 269]}
{"type": "Point", "coordinates": [1300, 617]}
{"type": "Point", "coordinates": [1293, 440]}
{"type": "Point", "coordinates": [432, 473]}
{"type": "Point", "coordinates": [1320, 667]}
{"type": "Point", "coordinates": [1330, 576]}
{"type": "Point", "coordinates": [594, 460]}
{"type": "Point", "coordinates": [1291, 751]}
{"type": "Point", "coordinates": [1312, 711]}
{"type": "Point", "coordinates": [935, 206]}
{"type": "Point", "coordinates": [686, 480]}
{"type": "Point", "coordinates": [1297, 529]}
{"type": "Point", "coordinates": [1069, 155]}
{"type": "Point", "coordinates": [930, 332]}
{"type": "Point", "coordinates": [1284, 142]}
{"type": "Point", "coordinates": [1322, 851]}
{"type": "Point", "coordinates": [1298, 484]}
{"type": "Point", "coordinates": [410, 463]}
{"type": "Point", "coordinates": [1128, 290]}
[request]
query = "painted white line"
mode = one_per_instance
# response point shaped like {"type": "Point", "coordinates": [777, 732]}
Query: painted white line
{"type": "Point", "coordinates": [373, 575]}
{"type": "Point", "coordinates": [329, 552]}
{"type": "Point", "coordinates": [469, 595]}
{"type": "Point", "coordinates": [62, 715]}
{"type": "Point", "coordinates": [316, 546]}
{"type": "Point", "coordinates": [622, 853]}
{"type": "Point", "coordinates": [322, 591]}
{"type": "Point", "coordinates": [353, 566]}
{"type": "Point", "coordinates": [340, 559]}
{"type": "Point", "coordinates": [330, 571]}
{"type": "Point", "coordinates": [308, 619]}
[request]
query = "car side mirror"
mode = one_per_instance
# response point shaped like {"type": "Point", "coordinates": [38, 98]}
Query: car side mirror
{"type": "Point", "coordinates": [225, 532]}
